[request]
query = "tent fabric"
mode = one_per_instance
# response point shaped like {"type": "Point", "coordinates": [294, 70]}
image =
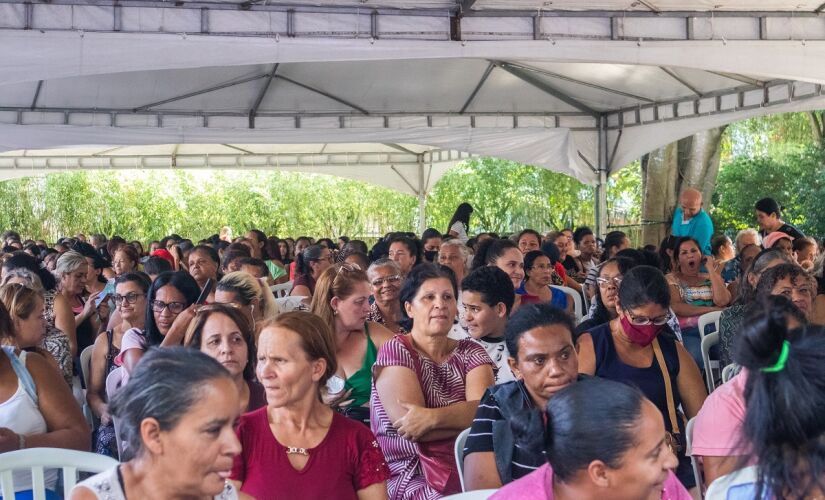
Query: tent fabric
{"type": "Point", "coordinates": [570, 86]}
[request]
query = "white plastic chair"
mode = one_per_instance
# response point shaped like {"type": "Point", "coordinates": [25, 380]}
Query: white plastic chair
{"type": "Point", "coordinates": [37, 460]}
{"type": "Point", "coordinates": [709, 341]}
{"type": "Point", "coordinates": [742, 478]}
{"type": "Point", "coordinates": [86, 373]}
{"type": "Point", "coordinates": [472, 495]}
{"type": "Point", "coordinates": [729, 372]}
{"type": "Point", "coordinates": [577, 300]}
{"type": "Point", "coordinates": [292, 303]}
{"type": "Point", "coordinates": [113, 383]}
{"type": "Point", "coordinates": [707, 319]}
{"type": "Point", "coordinates": [694, 461]}
{"type": "Point", "coordinates": [459, 454]}
{"type": "Point", "coordinates": [282, 290]}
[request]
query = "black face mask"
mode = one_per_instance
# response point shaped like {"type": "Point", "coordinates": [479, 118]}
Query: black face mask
{"type": "Point", "coordinates": [430, 255]}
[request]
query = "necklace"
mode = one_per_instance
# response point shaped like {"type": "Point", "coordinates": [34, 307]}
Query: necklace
{"type": "Point", "coordinates": [292, 450]}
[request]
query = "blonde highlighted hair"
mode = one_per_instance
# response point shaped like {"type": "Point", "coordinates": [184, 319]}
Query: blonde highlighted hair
{"type": "Point", "coordinates": [248, 288]}
{"type": "Point", "coordinates": [336, 281]}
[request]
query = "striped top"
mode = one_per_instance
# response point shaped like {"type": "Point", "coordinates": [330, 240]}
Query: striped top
{"type": "Point", "coordinates": [480, 438]}
{"type": "Point", "coordinates": [442, 384]}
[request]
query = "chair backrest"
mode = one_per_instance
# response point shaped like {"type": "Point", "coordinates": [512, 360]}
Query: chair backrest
{"type": "Point", "coordinates": [282, 290]}
{"type": "Point", "coordinates": [709, 341]}
{"type": "Point", "coordinates": [459, 454]}
{"type": "Point", "coordinates": [737, 484]}
{"type": "Point", "coordinates": [86, 365]}
{"type": "Point", "coordinates": [471, 495]}
{"type": "Point", "coordinates": [113, 383]}
{"type": "Point", "coordinates": [694, 461]}
{"type": "Point", "coordinates": [577, 300]}
{"type": "Point", "coordinates": [38, 459]}
{"type": "Point", "coordinates": [291, 303]}
{"type": "Point", "coordinates": [707, 319]}
{"type": "Point", "coordinates": [729, 372]}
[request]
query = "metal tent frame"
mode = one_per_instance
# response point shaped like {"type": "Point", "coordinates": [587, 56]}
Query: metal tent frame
{"type": "Point", "coordinates": [578, 90]}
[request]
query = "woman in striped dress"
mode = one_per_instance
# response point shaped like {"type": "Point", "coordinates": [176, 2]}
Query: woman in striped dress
{"type": "Point", "coordinates": [426, 388]}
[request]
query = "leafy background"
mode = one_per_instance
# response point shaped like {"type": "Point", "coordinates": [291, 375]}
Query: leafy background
{"type": "Point", "coordinates": [774, 156]}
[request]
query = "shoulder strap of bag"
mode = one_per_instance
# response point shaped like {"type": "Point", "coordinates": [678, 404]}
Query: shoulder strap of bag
{"type": "Point", "coordinates": [22, 373]}
{"type": "Point", "coordinates": [671, 405]}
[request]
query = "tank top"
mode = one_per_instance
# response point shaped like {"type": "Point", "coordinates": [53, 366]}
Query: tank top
{"type": "Point", "coordinates": [649, 380]}
{"type": "Point", "coordinates": [85, 331]}
{"type": "Point", "coordinates": [107, 486]}
{"type": "Point", "coordinates": [21, 414]}
{"type": "Point", "coordinates": [361, 381]}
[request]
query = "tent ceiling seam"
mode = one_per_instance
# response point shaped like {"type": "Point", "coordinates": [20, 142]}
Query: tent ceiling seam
{"type": "Point", "coordinates": [200, 92]}
{"type": "Point", "coordinates": [261, 94]}
{"type": "Point", "coordinates": [408, 183]}
{"type": "Point", "coordinates": [681, 80]}
{"type": "Point", "coordinates": [323, 93]}
{"type": "Point", "coordinates": [526, 77]}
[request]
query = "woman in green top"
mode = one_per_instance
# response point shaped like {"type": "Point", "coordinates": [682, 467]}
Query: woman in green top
{"type": "Point", "coordinates": [342, 299]}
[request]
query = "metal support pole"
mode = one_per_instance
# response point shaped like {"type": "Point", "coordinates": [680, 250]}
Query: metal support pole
{"type": "Point", "coordinates": [422, 197]}
{"type": "Point", "coordinates": [601, 187]}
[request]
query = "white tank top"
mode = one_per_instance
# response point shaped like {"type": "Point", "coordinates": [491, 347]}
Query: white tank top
{"type": "Point", "coordinates": [21, 414]}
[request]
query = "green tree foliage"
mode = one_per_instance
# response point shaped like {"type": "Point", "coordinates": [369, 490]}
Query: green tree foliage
{"type": "Point", "coordinates": [796, 181]}
{"type": "Point", "coordinates": [147, 205]}
{"type": "Point", "coordinates": [508, 196]}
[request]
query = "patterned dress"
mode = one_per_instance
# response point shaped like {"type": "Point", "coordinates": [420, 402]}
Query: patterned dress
{"type": "Point", "coordinates": [55, 341]}
{"type": "Point", "coordinates": [376, 317]}
{"type": "Point", "coordinates": [443, 384]}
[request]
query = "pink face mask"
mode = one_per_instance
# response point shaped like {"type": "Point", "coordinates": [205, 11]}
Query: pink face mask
{"type": "Point", "coordinates": [640, 334]}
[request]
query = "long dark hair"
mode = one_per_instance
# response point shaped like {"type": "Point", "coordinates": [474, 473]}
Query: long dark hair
{"type": "Point", "coordinates": [490, 250]}
{"type": "Point", "coordinates": [462, 214]}
{"type": "Point", "coordinates": [22, 260]}
{"type": "Point", "coordinates": [185, 284]}
{"type": "Point", "coordinates": [575, 433]}
{"type": "Point", "coordinates": [785, 397]}
{"type": "Point", "coordinates": [302, 260]}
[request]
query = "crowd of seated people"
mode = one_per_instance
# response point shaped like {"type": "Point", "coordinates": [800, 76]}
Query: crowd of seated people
{"type": "Point", "coordinates": [261, 367]}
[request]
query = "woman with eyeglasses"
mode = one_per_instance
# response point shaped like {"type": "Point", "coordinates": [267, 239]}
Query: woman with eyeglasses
{"type": "Point", "coordinates": [607, 291]}
{"type": "Point", "coordinates": [169, 295]}
{"type": "Point", "coordinates": [638, 348]}
{"type": "Point", "coordinates": [130, 300]}
{"type": "Point", "coordinates": [385, 278]}
{"type": "Point", "coordinates": [309, 264]}
{"type": "Point", "coordinates": [342, 300]}
{"type": "Point", "coordinates": [224, 332]}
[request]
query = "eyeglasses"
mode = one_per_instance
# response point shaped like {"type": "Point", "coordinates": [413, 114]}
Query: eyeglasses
{"type": "Point", "coordinates": [174, 307]}
{"type": "Point", "coordinates": [605, 282]}
{"type": "Point", "coordinates": [390, 280]}
{"type": "Point", "coordinates": [130, 298]}
{"type": "Point", "coordinates": [642, 321]}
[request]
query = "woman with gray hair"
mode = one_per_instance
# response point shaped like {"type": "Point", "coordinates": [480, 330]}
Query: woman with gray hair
{"type": "Point", "coordinates": [455, 255]}
{"type": "Point", "coordinates": [177, 414]}
{"type": "Point", "coordinates": [72, 269]}
{"type": "Point", "coordinates": [385, 280]}
{"type": "Point", "coordinates": [55, 341]}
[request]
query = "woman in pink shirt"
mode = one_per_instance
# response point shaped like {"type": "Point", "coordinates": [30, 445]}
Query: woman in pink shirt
{"type": "Point", "coordinates": [602, 439]}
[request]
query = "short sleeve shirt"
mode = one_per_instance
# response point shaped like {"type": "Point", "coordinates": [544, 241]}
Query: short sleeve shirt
{"type": "Point", "coordinates": [717, 430]}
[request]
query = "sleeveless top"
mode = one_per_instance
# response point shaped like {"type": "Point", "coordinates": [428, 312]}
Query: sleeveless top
{"type": "Point", "coordinates": [21, 414]}
{"type": "Point", "coordinates": [696, 295]}
{"type": "Point", "coordinates": [361, 381]}
{"type": "Point", "coordinates": [85, 332]}
{"type": "Point", "coordinates": [107, 486]}
{"type": "Point", "coordinates": [649, 380]}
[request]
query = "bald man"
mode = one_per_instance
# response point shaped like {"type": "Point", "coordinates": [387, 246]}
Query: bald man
{"type": "Point", "coordinates": [690, 219]}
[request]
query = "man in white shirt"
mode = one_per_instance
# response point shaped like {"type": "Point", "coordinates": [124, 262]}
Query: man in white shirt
{"type": "Point", "coordinates": [488, 296]}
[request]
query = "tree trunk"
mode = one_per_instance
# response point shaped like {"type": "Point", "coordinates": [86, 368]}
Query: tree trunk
{"type": "Point", "coordinates": [689, 162]}
{"type": "Point", "coordinates": [817, 125]}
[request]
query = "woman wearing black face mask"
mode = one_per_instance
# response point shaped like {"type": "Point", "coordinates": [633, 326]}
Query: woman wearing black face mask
{"type": "Point", "coordinates": [638, 348]}
{"type": "Point", "coordinates": [431, 241]}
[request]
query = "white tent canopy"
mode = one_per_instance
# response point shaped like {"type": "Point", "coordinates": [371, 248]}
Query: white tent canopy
{"type": "Point", "coordinates": [393, 92]}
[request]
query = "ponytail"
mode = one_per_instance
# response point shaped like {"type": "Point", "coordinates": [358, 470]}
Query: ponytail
{"type": "Point", "coordinates": [785, 398]}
